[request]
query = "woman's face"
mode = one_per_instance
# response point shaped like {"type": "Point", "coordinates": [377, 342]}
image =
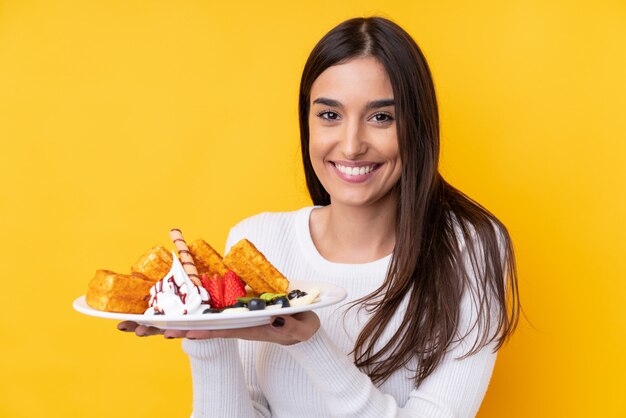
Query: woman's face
{"type": "Point", "coordinates": [352, 126]}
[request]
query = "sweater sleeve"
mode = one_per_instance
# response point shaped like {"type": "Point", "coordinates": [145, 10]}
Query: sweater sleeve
{"type": "Point", "coordinates": [455, 389]}
{"type": "Point", "coordinates": [218, 360]}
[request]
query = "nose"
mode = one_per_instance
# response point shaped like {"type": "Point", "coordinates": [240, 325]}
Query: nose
{"type": "Point", "coordinates": [353, 144]}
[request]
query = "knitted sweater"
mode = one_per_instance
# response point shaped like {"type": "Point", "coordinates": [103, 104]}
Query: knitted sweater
{"type": "Point", "coordinates": [317, 377]}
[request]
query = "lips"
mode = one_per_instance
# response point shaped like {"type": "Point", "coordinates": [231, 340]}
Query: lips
{"type": "Point", "coordinates": [355, 171]}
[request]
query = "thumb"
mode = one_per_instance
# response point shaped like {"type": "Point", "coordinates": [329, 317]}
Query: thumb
{"type": "Point", "coordinates": [295, 327]}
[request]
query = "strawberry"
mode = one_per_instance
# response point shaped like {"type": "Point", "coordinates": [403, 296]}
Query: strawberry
{"type": "Point", "coordinates": [204, 280]}
{"type": "Point", "coordinates": [233, 288]}
{"type": "Point", "coordinates": [215, 287]}
{"type": "Point", "coordinates": [232, 276]}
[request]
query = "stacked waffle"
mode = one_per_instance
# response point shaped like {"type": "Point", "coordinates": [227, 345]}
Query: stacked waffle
{"type": "Point", "coordinates": [130, 293]}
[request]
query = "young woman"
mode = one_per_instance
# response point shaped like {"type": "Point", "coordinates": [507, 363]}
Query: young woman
{"type": "Point", "coordinates": [430, 274]}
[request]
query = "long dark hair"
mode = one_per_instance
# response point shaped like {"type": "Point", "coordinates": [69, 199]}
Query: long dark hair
{"type": "Point", "coordinates": [446, 243]}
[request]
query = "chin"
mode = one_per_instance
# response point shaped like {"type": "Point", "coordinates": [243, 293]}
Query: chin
{"type": "Point", "coordinates": [360, 199]}
{"type": "Point", "coordinates": [353, 201]}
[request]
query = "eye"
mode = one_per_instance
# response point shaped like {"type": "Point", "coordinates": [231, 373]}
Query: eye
{"type": "Point", "coordinates": [328, 115]}
{"type": "Point", "coordinates": [382, 117]}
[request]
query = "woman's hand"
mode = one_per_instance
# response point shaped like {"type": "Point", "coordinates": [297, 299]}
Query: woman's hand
{"type": "Point", "coordinates": [285, 330]}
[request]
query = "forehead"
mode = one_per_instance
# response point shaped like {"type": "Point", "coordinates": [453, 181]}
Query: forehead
{"type": "Point", "coordinates": [358, 80]}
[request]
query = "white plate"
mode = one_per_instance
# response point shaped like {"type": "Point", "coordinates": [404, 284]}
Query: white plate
{"type": "Point", "coordinates": [329, 295]}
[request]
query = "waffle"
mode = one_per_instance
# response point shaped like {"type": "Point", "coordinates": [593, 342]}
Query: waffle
{"type": "Point", "coordinates": [207, 259]}
{"type": "Point", "coordinates": [254, 269]}
{"type": "Point", "coordinates": [153, 265]}
{"type": "Point", "coordinates": [113, 292]}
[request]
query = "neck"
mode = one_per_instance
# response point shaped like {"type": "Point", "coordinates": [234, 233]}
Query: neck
{"type": "Point", "coordinates": [355, 234]}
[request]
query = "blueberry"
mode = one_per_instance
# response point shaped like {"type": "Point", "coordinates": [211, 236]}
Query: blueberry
{"type": "Point", "coordinates": [239, 304]}
{"type": "Point", "coordinates": [294, 294]}
{"type": "Point", "coordinates": [211, 310]}
{"type": "Point", "coordinates": [282, 301]}
{"type": "Point", "coordinates": [256, 304]}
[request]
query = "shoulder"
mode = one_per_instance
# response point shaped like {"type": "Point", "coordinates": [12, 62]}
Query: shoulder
{"type": "Point", "coordinates": [266, 228]}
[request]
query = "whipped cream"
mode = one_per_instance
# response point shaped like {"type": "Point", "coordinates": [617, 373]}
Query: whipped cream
{"type": "Point", "coordinates": [176, 294]}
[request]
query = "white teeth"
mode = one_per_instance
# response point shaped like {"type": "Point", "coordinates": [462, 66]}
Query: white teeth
{"type": "Point", "coordinates": [354, 171]}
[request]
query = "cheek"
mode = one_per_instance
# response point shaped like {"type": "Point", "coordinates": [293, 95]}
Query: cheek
{"type": "Point", "coordinates": [386, 144]}
{"type": "Point", "coordinates": [389, 143]}
{"type": "Point", "coordinates": [389, 148]}
{"type": "Point", "coordinates": [316, 155]}
{"type": "Point", "coordinates": [319, 145]}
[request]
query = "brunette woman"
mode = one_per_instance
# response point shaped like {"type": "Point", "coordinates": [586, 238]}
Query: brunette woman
{"type": "Point", "coordinates": [430, 273]}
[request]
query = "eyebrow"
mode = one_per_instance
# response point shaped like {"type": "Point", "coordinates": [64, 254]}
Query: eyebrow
{"type": "Point", "coordinates": [375, 104]}
{"type": "Point", "coordinates": [381, 103]}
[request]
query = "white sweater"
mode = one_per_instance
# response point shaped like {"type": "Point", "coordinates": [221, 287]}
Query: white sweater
{"type": "Point", "coordinates": [317, 378]}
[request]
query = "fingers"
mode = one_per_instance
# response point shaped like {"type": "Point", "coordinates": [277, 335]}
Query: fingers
{"type": "Point", "coordinates": [258, 333]}
{"type": "Point", "coordinates": [200, 334]}
{"type": "Point", "coordinates": [140, 330]}
{"type": "Point", "coordinates": [216, 333]}
{"type": "Point", "coordinates": [288, 329]}
{"type": "Point", "coordinates": [300, 327]}
{"type": "Point", "coordinates": [144, 331]}
{"type": "Point", "coordinates": [290, 326]}
{"type": "Point", "coordinates": [127, 326]}
{"type": "Point", "coordinates": [174, 333]}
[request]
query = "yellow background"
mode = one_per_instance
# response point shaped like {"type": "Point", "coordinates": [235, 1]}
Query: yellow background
{"type": "Point", "coordinates": [121, 119]}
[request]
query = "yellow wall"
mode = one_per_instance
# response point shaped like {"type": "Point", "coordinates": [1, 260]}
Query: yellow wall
{"type": "Point", "coordinates": [120, 119]}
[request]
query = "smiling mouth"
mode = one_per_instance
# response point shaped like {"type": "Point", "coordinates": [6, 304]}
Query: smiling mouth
{"type": "Point", "coordinates": [357, 170]}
